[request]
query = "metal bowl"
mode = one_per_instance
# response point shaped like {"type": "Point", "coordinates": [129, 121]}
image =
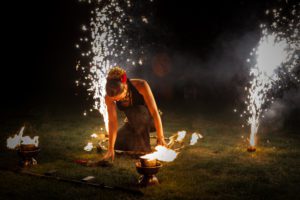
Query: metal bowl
{"type": "Point", "coordinates": [147, 177]}
{"type": "Point", "coordinates": [28, 156]}
{"type": "Point", "coordinates": [147, 170]}
{"type": "Point", "coordinates": [251, 149]}
{"type": "Point", "coordinates": [148, 163]}
{"type": "Point", "coordinates": [29, 153]}
{"type": "Point", "coordinates": [28, 147]}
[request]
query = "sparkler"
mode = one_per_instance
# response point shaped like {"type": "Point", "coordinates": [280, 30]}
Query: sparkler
{"type": "Point", "coordinates": [278, 49]}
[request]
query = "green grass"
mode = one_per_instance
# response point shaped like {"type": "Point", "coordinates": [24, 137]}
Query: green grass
{"type": "Point", "coordinates": [217, 167]}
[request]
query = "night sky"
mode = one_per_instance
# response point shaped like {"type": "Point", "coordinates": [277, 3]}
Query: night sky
{"type": "Point", "coordinates": [38, 66]}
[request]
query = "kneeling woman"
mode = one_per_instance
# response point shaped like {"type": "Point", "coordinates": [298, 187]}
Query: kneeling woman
{"type": "Point", "coordinates": [135, 98]}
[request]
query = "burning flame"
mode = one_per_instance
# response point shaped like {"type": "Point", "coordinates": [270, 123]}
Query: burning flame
{"type": "Point", "coordinates": [89, 147]}
{"type": "Point", "coordinates": [181, 136]}
{"type": "Point", "coordinates": [178, 137]}
{"type": "Point", "coordinates": [162, 154]}
{"type": "Point", "coordinates": [94, 135]}
{"type": "Point", "coordinates": [195, 137]}
{"type": "Point", "coordinates": [13, 142]}
{"type": "Point", "coordinates": [102, 139]}
{"type": "Point", "coordinates": [27, 140]}
{"type": "Point", "coordinates": [18, 139]}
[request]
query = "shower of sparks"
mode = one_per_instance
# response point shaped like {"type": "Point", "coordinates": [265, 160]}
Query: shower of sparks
{"type": "Point", "coordinates": [108, 45]}
{"type": "Point", "coordinates": [276, 56]}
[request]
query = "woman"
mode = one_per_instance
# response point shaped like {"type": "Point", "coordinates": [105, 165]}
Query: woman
{"type": "Point", "coordinates": [135, 98]}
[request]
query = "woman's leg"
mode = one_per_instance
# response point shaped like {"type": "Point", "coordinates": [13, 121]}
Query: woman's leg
{"type": "Point", "coordinates": [123, 141]}
{"type": "Point", "coordinates": [134, 135]}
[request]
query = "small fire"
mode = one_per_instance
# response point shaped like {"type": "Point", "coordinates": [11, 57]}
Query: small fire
{"type": "Point", "coordinates": [13, 142]}
{"type": "Point", "coordinates": [162, 154]}
{"type": "Point", "coordinates": [181, 136]}
{"type": "Point", "coordinates": [102, 139]}
{"type": "Point", "coordinates": [106, 43]}
{"type": "Point", "coordinates": [195, 137]}
{"type": "Point", "coordinates": [177, 137]}
{"type": "Point", "coordinates": [18, 139]}
{"type": "Point", "coordinates": [89, 147]}
{"type": "Point", "coordinates": [27, 140]}
{"type": "Point", "coordinates": [94, 135]}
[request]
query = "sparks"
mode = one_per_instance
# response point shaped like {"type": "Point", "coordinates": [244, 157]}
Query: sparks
{"type": "Point", "coordinates": [108, 40]}
{"type": "Point", "coordinates": [276, 50]}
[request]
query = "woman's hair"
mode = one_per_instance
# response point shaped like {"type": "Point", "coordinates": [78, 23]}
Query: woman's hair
{"type": "Point", "coordinates": [116, 81]}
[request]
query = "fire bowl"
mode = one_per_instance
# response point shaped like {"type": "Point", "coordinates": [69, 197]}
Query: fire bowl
{"type": "Point", "coordinates": [148, 163]}
{"type": "Point", "coordinates": [147, 177]}
{"type": "Point", "coordinates": [251, 149]}
{"type": "Point", "coordinates": [28, 154]}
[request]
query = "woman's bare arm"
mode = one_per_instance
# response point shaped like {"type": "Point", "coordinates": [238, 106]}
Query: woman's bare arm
{"type": "Point", "coordinates": [143, 87]}
{"type": "Point", "coordinates": [112, 127]}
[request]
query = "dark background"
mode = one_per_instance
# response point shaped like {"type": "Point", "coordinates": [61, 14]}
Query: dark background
{"type": "Point", "coordinates": [199, 44]}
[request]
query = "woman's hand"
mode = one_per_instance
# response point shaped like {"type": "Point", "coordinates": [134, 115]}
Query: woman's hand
{"type": "Point", "coordinates": [162, 142]}
{"type": "Point", "coordinates": [109, 154]}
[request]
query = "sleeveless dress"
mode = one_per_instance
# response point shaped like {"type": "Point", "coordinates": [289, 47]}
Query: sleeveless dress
{"type": "Point", "coordinates": [134, 134]}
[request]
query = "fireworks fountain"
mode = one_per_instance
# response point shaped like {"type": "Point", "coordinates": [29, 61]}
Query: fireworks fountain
{"type": "Point", "coordinates": [276, 56]}
{"type": "Point", "coordinates": [109, 44]}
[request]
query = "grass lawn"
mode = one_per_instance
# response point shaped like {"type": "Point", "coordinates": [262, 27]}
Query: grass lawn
{"type": "Point", "coordinates": [217, 167]}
